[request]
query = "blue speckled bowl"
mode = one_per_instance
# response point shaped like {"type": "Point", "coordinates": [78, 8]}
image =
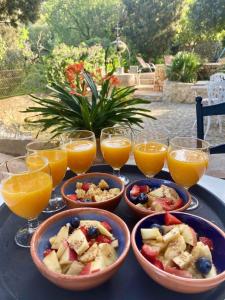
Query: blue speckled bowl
{"type": "Point", "coordinates": [51, 226]}
{"type": "Point", "coordinates": [113, 181]}
{"type": "Point", "coordinates": [179, 284]}
{"type": "Point", "coordinates": [156, 183]}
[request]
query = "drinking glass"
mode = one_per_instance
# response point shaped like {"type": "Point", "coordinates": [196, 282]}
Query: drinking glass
{"type": "Point", "coordinates": [81, 150]}
{"type": "Point", "coordinates": [188, 159]}
{"type": "Point", "coordinates": [150, 150]}
{"type": "Point", "coordinates": [26, 191]}
{"type": "Point", "coordinates": [57, 157]}
{"type": "Point", "coordinates": [116, 145]}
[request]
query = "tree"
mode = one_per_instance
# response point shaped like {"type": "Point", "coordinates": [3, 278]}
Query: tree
{"type": "Point", "coordinates": [150, 25]}
{"type": "Point", "coordinates": [19, 11]}
{"type": "Point", "coordinates": [76, 21]}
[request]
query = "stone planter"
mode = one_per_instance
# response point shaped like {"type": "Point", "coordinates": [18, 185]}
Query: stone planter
{"type": "Point", "coordinates": [181, 92]}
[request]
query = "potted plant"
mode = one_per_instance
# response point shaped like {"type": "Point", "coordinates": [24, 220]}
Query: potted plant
{"type": "Point", "coordinates": [87, 101]}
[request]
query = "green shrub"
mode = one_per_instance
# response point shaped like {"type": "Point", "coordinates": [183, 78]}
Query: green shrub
{"type": "Point", "coordinates": [184, 67]}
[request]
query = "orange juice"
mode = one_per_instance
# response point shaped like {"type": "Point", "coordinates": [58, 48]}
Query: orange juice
{"type": "Point", "coordinates": [150, 157]}
{"type": "Point", "coordinates": [116, 151]}
{"type": "Point", "coordinates": [57, 159]}
{"type": "Point", "coordinates": [27, 194]}
{"type": "Point", "coordinates": [80, 154]}
{"type": "Point", "coordinates": [187, 166]}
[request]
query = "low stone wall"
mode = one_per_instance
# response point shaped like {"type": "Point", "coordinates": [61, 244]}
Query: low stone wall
{"type": "Point", "coordinates": [180, 92]}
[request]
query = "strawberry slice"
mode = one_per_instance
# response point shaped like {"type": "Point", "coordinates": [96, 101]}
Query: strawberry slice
{"type": "Point", "coordinates": [84, 230]}
{"type": "Point", "coordinates": [177, 272]}
{"type": "Point", "coordinates": [47, 252]}
{"type": "Point", "coordinates": [149, 253]}
{"type": "Point", "coordinates": [144, 189]}
{"type": "Point", "coordinates": [171, 220]}
{"type": "Point", "coordinates": [72, 197]}
{"type": "Point", "coordinates": [85, 186]}
{"type": "Point", "coordinates": [135, 191]}
{"type": "Point", "coordinates": [103, 239]}
{"type": "Point", "coordinates": [156, 262]}
{"type": "Point", "coordinates": [86, 269]}
{"type": "Point", "coordinates": [207, 242]}
{"type": "Point", "coordinates": [107, 226]}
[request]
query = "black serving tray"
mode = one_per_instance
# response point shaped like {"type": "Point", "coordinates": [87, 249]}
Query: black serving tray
{"type": "Point", "coordinates": [20, 280]}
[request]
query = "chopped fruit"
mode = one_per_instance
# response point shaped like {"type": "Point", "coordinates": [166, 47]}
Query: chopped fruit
{"type": "Point", "coordinates": [206, 241]}
{"type": "Point", "coordinates": [103, 239]}
{"type": "Point", "coordinates": [175, 248]}
{"type": "Point", "coordinates": [158, 264]}
{"type": "Point", "coordinates": [203, 265]}
{"type": "Point", "coordinates": [86, 269]}
{"type": "Point", "coordinates": [212, 273]}
{"type": "Point", "coordinates": [201, 250]}
{"type": "Point", "coordinates": [90, 254]}
{"type": "Point", "coordinates": [61, 236]}
{"type": "Point", "coordinates": [171, 220]}
{"type": "Point", "coordinates": [142, 198]}
{"type": "Point", "coordinates": [156, 245]}
{"type": "Point", "coordinates": [149, 253]}
{"type": "Point", "coordinates": [103, 185]}
{"type": "Point", "coordinates": [86, 186]}
{"type": "Point", "coordinates": [52, 263]}
{"type": "Point", "coordinates": [89, 223]}
{"type": "Point", "coordinates": [159, 193]}
{"type": "Point", "coordinates": [93, 232]}
{"type": "Point", "coordinates": [75, 268]}
{"type": "Point", "coordinates": [68, 257]}
{"type": "Point", "coordinates": [84, 230]}
{"type": "Point", "coordinates": [177, 272]}
{"type": "Point", "coordinates": [115, 244]}
{"type": "Point", "coordinates": [170, 204]}
{"type": "Point", "coordinates": [52, 239]}
{"type": "Point", "coordinates": [183, 260]}
{"type": "Point", "coordinates": [135, 191]}
{"type": "Point", "coordinates": [151, 233]}
{"type": "Point", "coordinates": [62, 249]}
{"type": "Point", "coordinates": [188, 234]}
{"type": "Point", "coordinates": [108, 253]}
{"type": "Point", "coordinates": [97, 264]}
{"type": "Point", "coordinates": [107, 226]}
{"type": "Point", "coordinates": [144, 189]}
{"type": "Point", "coordinates": [47, 252]}
{"type": "Point", "coordinates": [104, 231]}
{"type": "Point", "coordinates": [78, 242]}
{"type": "Point", "coordinates": [154, 225]}
{"type": "Point", "coordinates": [75, 222]}
{"type": "Point", "coordinates": [171, 235]}
{"type": "Point", "coordinates": [72, 197]}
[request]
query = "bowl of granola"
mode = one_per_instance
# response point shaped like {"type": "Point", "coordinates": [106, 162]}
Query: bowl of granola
{"type": "Point", "coordinates": [98, 190]}
{"type": "Point", "coordinates": [148, 196]}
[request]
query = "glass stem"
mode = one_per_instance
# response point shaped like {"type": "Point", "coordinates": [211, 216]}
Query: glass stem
{"type": "Point", "coordinates": [116, 172]}
{"type": "Point", "coordinates": [32, 224]}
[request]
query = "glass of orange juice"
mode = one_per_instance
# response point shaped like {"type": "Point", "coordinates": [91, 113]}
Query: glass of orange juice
{"type": "Point", "coordinates": [57, 158]}
{"type": "Point", "coordinates": [187, 160]}
{"type": "Point", "coordinates": [150, 152]}
{"type": "Point", "coordinates": [81, 150]}
{"type": "Point", "coordinates": [116, 143]}
{"type": "Point", "coordinates": [26, 192]}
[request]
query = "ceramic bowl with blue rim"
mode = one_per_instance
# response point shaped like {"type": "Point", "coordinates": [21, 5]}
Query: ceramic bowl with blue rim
{"type": "Point", "coordinates": [155, 183]}
{"type": "Point", "coordinates": [69, 187]}
{"type": "Point", "coordinates": [50, 227]}
{"type": "Point", "coordinates": [202, 227]}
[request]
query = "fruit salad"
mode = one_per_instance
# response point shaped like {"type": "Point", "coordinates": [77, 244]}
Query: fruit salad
{"type": "Point", "coordinates": [90, 192]}
{"type": "Point", "coordinates": [159, 199]}
{"type": "Point", "coordinates": [81, 247]}
{"type": "Point", "coordinates": [176, 248]}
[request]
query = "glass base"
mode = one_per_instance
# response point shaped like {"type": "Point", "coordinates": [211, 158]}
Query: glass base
{"type": "Point", "coordinates": [55, 204]}
{"type": "Point", "coordinates": [24, 235]}
{"type": "Point", "coordinates": [124, 179]}
{"type": "Point", "coordinates": [194, 203]}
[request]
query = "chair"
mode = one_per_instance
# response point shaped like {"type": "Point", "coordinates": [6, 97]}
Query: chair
{"type": "Point", "coordinates": [204, 111]}
{"type": "Point", "coordinates": [144, 65]}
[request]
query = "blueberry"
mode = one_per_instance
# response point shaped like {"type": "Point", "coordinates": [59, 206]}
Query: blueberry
{"type": "Point", "coordinates": [75, 222]}
{"type": "Point", "coordinates": [142, 198]}
{"type": "Point", "coordinates": [203, 265]}
{"type": "Point", "coordinates": [87, 200]}
{"type": "Point", "coordinates": [155, 225]}
{"type": "Point", "coordinates": [133, 199]}
{"type": "Point", "coordinates": [93, 232]}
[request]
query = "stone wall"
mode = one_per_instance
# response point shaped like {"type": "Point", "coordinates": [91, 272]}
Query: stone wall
{"type": "Point", "coordinates": [180, 92]}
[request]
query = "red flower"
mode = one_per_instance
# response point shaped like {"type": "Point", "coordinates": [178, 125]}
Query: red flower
{"type": "Point", "coordinates": [114, 80]}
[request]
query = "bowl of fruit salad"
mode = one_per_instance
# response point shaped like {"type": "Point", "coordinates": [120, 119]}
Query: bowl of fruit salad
{"type": "Point", "coordinates": [81, 248]}
{"type": "Point", "coordinates": [180, 251]}
{"type": "Point", "coordinates": [148, 196]}
{"type": "Point", "coordinates": [98, 190]}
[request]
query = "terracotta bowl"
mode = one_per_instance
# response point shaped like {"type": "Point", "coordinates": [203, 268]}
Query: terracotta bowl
{"type": "Point", "coordinates": [155, 183]}
{"type": "Point", "coordinates": [51, 226]}
{"type": "Point", "coordinates": [114, 182]}
{"type": "Point", "coordinates": [173, 282]}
